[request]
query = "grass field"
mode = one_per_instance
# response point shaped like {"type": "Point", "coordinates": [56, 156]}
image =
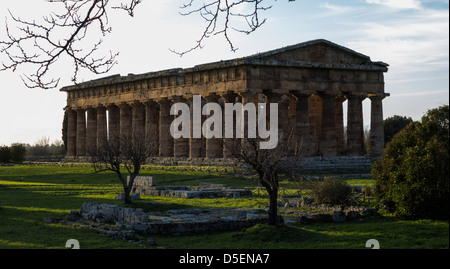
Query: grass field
{"type": "Point", "coordinates": [30, 193]}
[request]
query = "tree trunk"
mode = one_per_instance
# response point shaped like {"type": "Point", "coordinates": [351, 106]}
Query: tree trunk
{"type": "Point", "coordinates": [273, 207]}
{"type": "Point", "coordinates": [127, 199]}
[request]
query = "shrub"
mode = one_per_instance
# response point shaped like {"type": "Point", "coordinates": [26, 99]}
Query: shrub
{"type": "Point", "coordinates": [17, 152]}
{"type": "Point", "coordinates": [5, 154]}
{"type": "Point", "coordinates": [412, 179]}
{"type": "Point", "coordinates": [331, 191]}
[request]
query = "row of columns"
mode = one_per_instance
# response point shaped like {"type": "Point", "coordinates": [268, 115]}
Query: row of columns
{"type": "Point", "coordinates": [316, 121]}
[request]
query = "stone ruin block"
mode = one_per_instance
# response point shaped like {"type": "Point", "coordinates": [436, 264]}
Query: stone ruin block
{"type": "Point", "coordinates": [142, 184]}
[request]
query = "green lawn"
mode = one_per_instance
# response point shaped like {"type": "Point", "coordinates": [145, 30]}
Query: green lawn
{"type": "Point", "coordinates": [30, 193]}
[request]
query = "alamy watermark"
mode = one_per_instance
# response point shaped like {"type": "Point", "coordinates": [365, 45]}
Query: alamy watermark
{"type": "Point", "coordinates": [212, 126]}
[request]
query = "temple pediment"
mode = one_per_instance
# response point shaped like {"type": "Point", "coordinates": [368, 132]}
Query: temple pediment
{"type": "Point", "coordinates": [315, 51]}
{"type": "Point", "coordinates": [319, 53]}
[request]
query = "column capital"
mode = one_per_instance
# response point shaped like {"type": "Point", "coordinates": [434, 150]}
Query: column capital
{"type": "Point", "coordinates": [163, 100]}
{"type": "Point", "coordinates": [212, 97]}
{"type": "Point", "coordinates": [177, 99]}
{"type": "Point", "coordinates": [248, 92]}
{"type": "Point", "coordinates": [340, 98]}
{"type": "Point", "coordinates": [124, 105]}
{"type": "Point", "coordinates": [327, 94]}
{"type": "Point", "coordinates": [300, 93]}
{"type": "Point", "coordinates": [377, 96]}
{"type": "Point", "coordinates": [135, 104]}
{"type": "Point", "coordinates": [111, 105]}
{"type": "Point", "coordinates": [68, 108]}
{"type": "Point", "coordinates": [149, 102]}
{"type": "Point", "coordinates": [91, 108]}
{"type": "Point", "coordinates": [352, 95]}
{"type": "Point", "coordinates": [229, 96]}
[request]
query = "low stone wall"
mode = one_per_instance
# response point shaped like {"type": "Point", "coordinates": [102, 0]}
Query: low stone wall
{"type": "Point", "coordinates": [173, 222]}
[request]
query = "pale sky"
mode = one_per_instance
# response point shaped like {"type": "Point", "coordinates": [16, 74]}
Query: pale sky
{"type": "Point", "coordinates": [412, 36]}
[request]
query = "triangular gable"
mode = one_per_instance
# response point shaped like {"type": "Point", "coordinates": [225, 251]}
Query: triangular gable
{"type": "Point", "coordinates": [317, 51]}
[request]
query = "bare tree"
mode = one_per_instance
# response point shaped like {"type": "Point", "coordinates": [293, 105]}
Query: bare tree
{"type": "Point", "coordinates": [269, 164]}
{"type": "Point", "coordinates": [41, 44]}
{"type": "Point", "coordinates": [119, 154]}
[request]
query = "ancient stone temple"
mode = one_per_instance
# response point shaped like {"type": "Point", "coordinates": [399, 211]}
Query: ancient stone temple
{"type": "Point", "coordinates": [309, 81]}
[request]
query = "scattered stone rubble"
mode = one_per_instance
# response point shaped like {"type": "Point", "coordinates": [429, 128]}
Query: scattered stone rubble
{"type": "Point", "coordinates": [146, 185]}
{"type": "Point", "coordinates": [131, 223]}
{"type": "Point", "coordinates": [303, 210]}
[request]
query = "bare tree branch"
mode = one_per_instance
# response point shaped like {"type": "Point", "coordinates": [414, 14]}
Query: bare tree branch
{"type": "Point", "coordinates": [42, 44]}
{"type": "Point", "coordinates": [219, 14]}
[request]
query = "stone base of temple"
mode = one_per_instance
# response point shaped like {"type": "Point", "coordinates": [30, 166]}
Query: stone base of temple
{"type": "Point", "coordinates": [306, 164]}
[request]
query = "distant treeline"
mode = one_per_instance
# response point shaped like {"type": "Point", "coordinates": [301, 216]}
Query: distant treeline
{"type": "Point", "coordinates": [41, 150]}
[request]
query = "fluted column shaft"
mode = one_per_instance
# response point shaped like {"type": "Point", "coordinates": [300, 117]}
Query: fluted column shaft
{"type": "Point", "coordinates": [181, 144]}
{"type": "Point", "coordinates": [81, 133]}
{"type": "Point", "coordinates": [214, 147]}
{"type": "Point", "coordinates": [71, 133]}
{"type": "Point", "coordinates": [165, 119]}
{"type": "Point", "coordinates": [91, 129]}
{"type": "Point", "coordinates": [196, 144]}
{"type": "Point", "coordinates": [315, 114]}
{"type": "Point", "coordinates": [152, 125]}
{"type": "Point", "coordinates": [229, 143]}
{"type": "Point", "coordinates": [355, 129]}
{"type": "Point", "coordinates": [376, 127]}
{"type": "Point", "coordinates": [113, 123]}
{"type": "Point", "coordinates": [102, 128]}
{"type": "Point", "coordinates": [302, 127]}
{"type": "Point", "coordinates": [138, 121]}
{"type": "Point", "coordinates": [126, 123]}
{"type": "Point", "coordinates": [327, 143]}
{"type": "Point", "coordinates": [339, 117]}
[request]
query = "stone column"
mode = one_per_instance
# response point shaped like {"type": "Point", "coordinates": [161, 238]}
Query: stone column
{"type": "Point", "coordinates": [114, 123]}
{"type": "Point", "coordinates": [91, 130]}
{"type": "Point", "coordinates": [180, 145]}
{"type": "Point", "coordinates": [355, 129]}
{"type": "Point", "coordinates": [302, 127]}
{"type": "Point", "coordinates": [247, 97]}
{"type": "Point", "coordinates": [165, 119]}
{"type": "Point", "coordinates": [138, 122]}
{"type": "Point", "coordinates": [81, 133]}
{"type": "Point", "coordinates": [339, 117]}
{"type": "Point", "coordinates": [228, 143]}
{"type": "Point", "coordinates": [102, 128]}
{"type": "Point", "coordinates": [196, 145]}
{"type": "Point", "coordinates": [315, 120]}
{"type": "Point", "coordinates": [126, 124]}
{"type": "Point", "coordinates": [152, 125]}
{"type": "Point", "coordinates": [214, 146]}
{"type": "Point", "coordinates": [71, 133]}
{"type": "Point", "coordinates": [376, 127]}
{"type": "Point", "coordinates": [283, 114]}
{"type": "Point", "coordinates": [327, 142]}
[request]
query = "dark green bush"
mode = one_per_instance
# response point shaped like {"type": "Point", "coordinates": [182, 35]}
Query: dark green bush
{"type": "Point", "coordinates": [17, 152]}
{"type": "Point", "coordinates": [412, 179]}
{"type": "Point", "coordinates": [331, 191]}
{"type": "Point", "coordinates": [5, 154]}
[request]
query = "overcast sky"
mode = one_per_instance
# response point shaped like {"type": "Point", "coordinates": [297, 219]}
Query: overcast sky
{"type": "Point", "coordinates": [412, 36]}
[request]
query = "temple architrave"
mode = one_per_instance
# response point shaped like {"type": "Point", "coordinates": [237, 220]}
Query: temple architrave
{"type": "Point", "coordinates": [310, 81]}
